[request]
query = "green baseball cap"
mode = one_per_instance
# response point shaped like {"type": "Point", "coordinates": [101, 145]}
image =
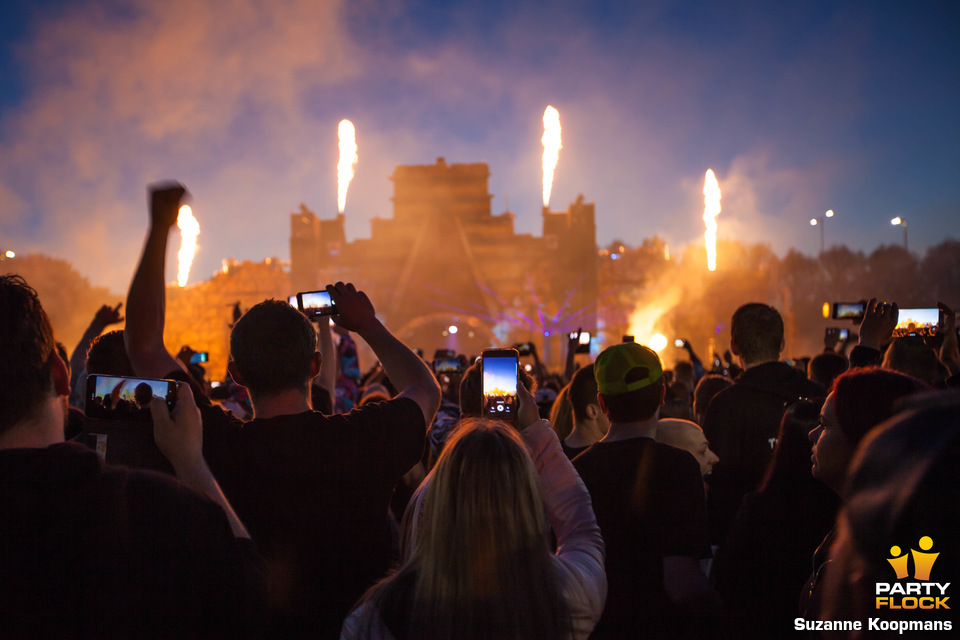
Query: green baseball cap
{"type": "Point", "coordinates": [626, 367]}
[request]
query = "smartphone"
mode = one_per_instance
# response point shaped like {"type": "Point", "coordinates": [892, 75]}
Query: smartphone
{"type": "Point", "coordinates": [199, 356]}
{"type": "Point", "coordinates": [849, 310]}
{"type": "Point", "coordinates": [583, 346]}
{"type": "Point", "coordinates": [525, 348]}
{"type": "Point", "coordinates": [678, 343]}
{"type": "Point", "coordinates": [120, 398]}
{"type": "Point", "coordinates": [446, 365]}
{"type": "Point", "coordinates": [316, 303]}
{"type": "Point", "coordinates": [628, 339]}
{"type": "Point", "coordinates": [844, 335]}
{"type": "Point", "coordinates": [292, 301]}
{"type": "Point", "coordinates": [918, 322]}
{"type": "Point", "coordinates": [500, 374]}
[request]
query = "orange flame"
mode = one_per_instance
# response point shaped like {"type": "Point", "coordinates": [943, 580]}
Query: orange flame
{"type": "Point", "coordinates": [189, 230]}
{"type": "Point", "coordinates": [551, 149]}
{"type": "Point", "coordinates": [711, 209]}
{"type": "Point", "coordinates": [645, 321]}
{"type": "Point", "coordinates": [348, 161]}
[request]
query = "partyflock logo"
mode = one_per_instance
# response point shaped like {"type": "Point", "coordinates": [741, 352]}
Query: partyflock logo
{"type": "Point", "coordinates": [920, 593]}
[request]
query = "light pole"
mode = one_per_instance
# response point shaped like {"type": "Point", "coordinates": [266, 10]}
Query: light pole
{"type": "Point", "coordinates": [821, 222]}
{"type": "Point", "coordinates": [900, 222]}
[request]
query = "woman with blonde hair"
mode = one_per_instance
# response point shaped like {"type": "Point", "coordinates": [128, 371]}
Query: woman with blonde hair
{"type": "Point", "coordinates": [480, 565]}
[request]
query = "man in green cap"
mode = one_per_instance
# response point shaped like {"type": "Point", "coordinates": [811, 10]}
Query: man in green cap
{"type": "Point", "coordinates": [649, 502]}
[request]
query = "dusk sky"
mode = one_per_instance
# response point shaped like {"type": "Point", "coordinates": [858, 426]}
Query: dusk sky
{"type": "Point", "coordinates": [797, 107]}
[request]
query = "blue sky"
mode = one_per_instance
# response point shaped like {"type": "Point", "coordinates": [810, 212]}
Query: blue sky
{"type": "Point", "coordinates": [797, 107]}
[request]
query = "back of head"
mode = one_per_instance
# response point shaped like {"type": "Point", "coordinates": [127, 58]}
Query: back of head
{"type": "Point", "coordinates": [825, 367]}
{"type": "Point", "coordinates": [561, 414]}
{"type": "Point", "coordinates": [108, 356]}
{"type": "Point", "coordinates": [684, 374]}
{"type": "Point", "coordinates": [630, 378]}
{"type": "Point", "coordinates": [272, 347]}
{"type": "Point", "coordinates": [902, 501]}
{"type": "Point", "coordinates": [790, 467]}
{"type": "Point", "coordinates": [471, 389]}
{"type": "Point", "coordinates": [481, 554]}
{"type": "Point", "coordinates": [863, 398]}
{"type": "Point", "coordinates": [583, 391]}
{"type": "Point", "coordinates": [911, 356]}
{"type": "Point", "coordinates": [27, 344]}
{"type": "Point", "coordinates": [709, 386]}
{"type": "Point", "coordinates": [757, 331]}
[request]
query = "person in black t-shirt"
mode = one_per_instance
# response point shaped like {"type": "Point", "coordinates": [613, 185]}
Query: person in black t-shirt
{"type": "Point", "coordinates": [313, 489]}
{"type": "Point", "coordinates": [649, 502]}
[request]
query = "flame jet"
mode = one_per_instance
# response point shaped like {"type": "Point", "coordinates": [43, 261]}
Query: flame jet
{"type": "Point", "coordinates": [551, 149]}
{"type": "Point", "coordinates": [348, 161]}
{"type": "Point", "coordinates": [189, 230]}
{"type": "Point", "coordinates": [711, 209]}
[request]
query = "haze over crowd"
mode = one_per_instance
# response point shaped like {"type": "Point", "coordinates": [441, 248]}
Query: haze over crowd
{"type": "Point", "coordinates": [797, 109]}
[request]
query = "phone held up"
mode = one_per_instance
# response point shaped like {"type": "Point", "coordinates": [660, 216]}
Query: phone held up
{"type": "Point", "coordinates": [316, 303]}
{"type": "Point", "coordinates": [500, 374]}
{"type": "Point", "coordinates": [119, 398]}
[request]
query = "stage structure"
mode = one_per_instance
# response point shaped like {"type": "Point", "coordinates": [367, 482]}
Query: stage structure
{"type": "Point", "coordinates": [445, 272]}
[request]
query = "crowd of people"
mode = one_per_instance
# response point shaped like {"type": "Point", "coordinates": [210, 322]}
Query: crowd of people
{"type": "Point", "coordinates": [302, 499]}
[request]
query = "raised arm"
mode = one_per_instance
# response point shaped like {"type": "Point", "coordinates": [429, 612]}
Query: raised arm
{"type": "Point", "coordinates": [408, 373]}
{"type": "Point", "coordinates": [327, 380]}
{"type": "Point", "coordinates": [104, 317]}
{"type": "Point", "coordinates": [146, 300]}
{"type": "Point", "coordinates": [180, 438]}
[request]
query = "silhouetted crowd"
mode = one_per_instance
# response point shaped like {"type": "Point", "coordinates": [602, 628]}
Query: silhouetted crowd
{"type": "Point", "coordinates": [301, 497]}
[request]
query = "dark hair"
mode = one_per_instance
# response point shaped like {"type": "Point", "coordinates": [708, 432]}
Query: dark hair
{"type": "Point", "coordinates": [26, 342]}
{"type": "Point", "coordinates": [272, 347]}
{"type": "Point", "coordinates": [471, 389]}
{"type": "Point", "coordinates": [909, 355]}
{"type": "Point", "coordinates": [583, 391]}
{"type": "Point", "coordinates": [757, 330]}
{"type": "Point", "coordinates": [863, 398]}
{"type": "Point", "coordinates": [709, 386]}
{"type": "Point", "coordinates": [636, 405]}
{"type": "Point", "coordinates": [108, 356]}
{"type": "Point", "coordinates": [143, 394]}
{"type": "Point", "coordinates": [790, 467]}
{"type": "Point", "coordinates": [825, 367]}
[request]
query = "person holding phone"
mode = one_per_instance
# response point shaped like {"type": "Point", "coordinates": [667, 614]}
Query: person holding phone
{"type": "Point", "coordinates": [89, 550]}
{"type": "Point", "coordinates": [312, 489]}
{"type": "Point", "coordinates": [479, 564]}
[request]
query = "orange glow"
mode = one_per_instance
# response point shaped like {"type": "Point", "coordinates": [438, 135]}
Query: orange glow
{"type": "Point", "coordinates": [348, 161]}
{"type": "Point", "coordinates": [711, 209]}
{"type": "Point", "coordinates": [189, 230]}
{"type": "Point", "coordinates": [551, 149]}
{"type": "Point", "coordinates": [645, 322]}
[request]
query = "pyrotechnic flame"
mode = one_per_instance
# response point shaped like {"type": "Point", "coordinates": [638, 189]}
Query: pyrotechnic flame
{"type": "Point", "coordinates": [645, 324]}
{"type": "Point", "coordinates": [551, 149]}
{"type": "Point", "coordinates": [348, 161]}
{"type": "Point", "coordinates": [189, 230]}
{"type": "Point", "coordinates": [711, 209]}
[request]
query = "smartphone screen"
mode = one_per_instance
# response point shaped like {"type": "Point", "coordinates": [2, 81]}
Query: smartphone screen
{"type": "Point", "coordinates": [678, 343]}
{"type": "Point", "coordinates": [199, 356]}
{"type": "Point", "coordinates": [446, 365]}
{"type": "Point", "coordinates": [118, 398]}
{"type": "Point", "coordinates": [316, 303]}
{"type": "Point", "coordinates": [917, 322]}
{"type": "Point", "coordinates": [500, 370]}
{"type": "Point", "coordinates": [848, 310]}
{"type": "Point", "coordinates": [844, 334]}
{"type": "Point", "coordinates": [292, 301]}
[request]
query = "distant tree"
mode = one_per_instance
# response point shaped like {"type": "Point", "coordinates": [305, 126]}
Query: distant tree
{"type": "Point", "coordinates": [845, 274]}
{"type": "Point", "coordinates": [893, 276]}
{"type": "Point", "coordinates": [940, 273]}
